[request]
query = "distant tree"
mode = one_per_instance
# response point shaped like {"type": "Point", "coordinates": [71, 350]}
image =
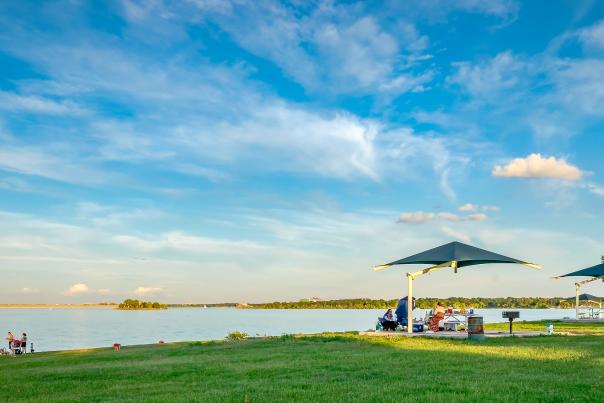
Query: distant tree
{"type": "Point", "coordinates": [133, 304]}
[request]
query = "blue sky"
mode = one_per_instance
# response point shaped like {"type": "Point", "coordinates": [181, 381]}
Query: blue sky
{"type": "Point", "coordinates": [203, 150]}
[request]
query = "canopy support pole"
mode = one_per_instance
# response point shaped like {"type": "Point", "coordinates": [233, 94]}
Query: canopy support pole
{"type": "Point", "coordinates": [577, 288]}
{"type": "Point", "coordinates": [412, 276]}
{"type": "Point", "coordinates": [409, 303]}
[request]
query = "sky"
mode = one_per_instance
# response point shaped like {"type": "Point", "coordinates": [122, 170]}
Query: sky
{"type": "Point", "coordinates": [249, 151]}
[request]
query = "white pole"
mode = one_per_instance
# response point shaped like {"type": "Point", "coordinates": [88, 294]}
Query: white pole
{"type": "Point", "coordinates": [409, 303]}
{"type": "Point", "coordinates": [577, 287]}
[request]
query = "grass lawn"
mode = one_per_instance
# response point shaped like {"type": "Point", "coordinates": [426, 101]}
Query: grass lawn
{"type": "Point", "coordinates": [328, 367]}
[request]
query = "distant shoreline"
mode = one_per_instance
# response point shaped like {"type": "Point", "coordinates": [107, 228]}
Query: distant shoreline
{"type": "Point", "coordinates": [58, 306]}
{"type": "Point", "coordinates": [356, 303]}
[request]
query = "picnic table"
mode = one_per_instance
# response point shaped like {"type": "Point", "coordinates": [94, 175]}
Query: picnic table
{"type": "Point", "coordinates": [590, 313]}
{"type": "Point", "coordinates": [454, 319]}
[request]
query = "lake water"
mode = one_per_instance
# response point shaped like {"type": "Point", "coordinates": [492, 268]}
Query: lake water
{"type": "Point", "coordinates": [61, 329]}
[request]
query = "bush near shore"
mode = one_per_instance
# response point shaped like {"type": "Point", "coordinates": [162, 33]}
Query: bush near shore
{"type": "Point", "coordinates": [134, 304]}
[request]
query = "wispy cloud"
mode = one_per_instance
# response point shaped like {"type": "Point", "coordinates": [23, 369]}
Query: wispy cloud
{"type": "Point", "coordinates": [337, 48]}
{"type": "Point", "coordinates": [40, 161]}
{"type": "Point", "coordinates": [36, 104]}
{"type": "Point", "coordinates": [592, 36]}
{"type": "Point", "coordinates": [596, 189]}
{"type": "Point", "coordinates": [438, 11]}
{"type": "Point", "coordinates": [487, 79]}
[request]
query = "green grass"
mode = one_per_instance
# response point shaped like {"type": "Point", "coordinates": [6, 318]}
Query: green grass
{"type": "Point", "coordinates": [573, 328]}
{"type": "Point", "coordinates": [328, 367]}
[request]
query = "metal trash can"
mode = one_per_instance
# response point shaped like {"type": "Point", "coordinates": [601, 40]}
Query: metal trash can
{"type": "Point", "coordinates": [475, 328]}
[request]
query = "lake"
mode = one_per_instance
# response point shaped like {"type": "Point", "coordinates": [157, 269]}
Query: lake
{"type": "Point", "coordinates": [61, 329]}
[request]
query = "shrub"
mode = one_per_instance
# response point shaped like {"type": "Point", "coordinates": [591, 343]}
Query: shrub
{"type": "Point", "coordinates": [236, 336]}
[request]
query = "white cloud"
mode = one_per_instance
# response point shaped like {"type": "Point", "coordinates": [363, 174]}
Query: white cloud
{"type": "Point", "coordinates": [467, 207]}
{"type": "Point", "coordinates": [569, 101]}
{"type": "Point", "coordinates": [593, 36]}
{"type": "Point", "coordinates": [187, 243]}
{"type": "Point", "coordinates": [36, 104]}
{"type": "Point", "coordinates": [339, 145]}
{"type": "Point", "coordinates": [142, 291]}
{"type": "Point", "coordinates": [420, 217]}
{"type": "Point", "coordinates": [403, 151]}
{"type": "Point", "coordinates": [40, 161]}
{"type": "Point", "coordinates": [448, 217]}
{"type": "Point", "coordinates": [335, 48]}
{"type": "Point", "coordinates": [596, 189]}
{"type": "Point", "coordinates": [438, 11]}
{"type": "Point", "coordinates": [15, 184]}
{"type": "Point", "coordinates": [212, 121]}
{"type": "Point", "coordinates": [76, 289]}
{"type": "Point", "coordinates": [536, 166]}
{"type": "Point", "coordinates": [487, 79]}
{"type": "Point", "coordinates": [416, 217]}
{"type": "Point", "coordinates": [476, 217]}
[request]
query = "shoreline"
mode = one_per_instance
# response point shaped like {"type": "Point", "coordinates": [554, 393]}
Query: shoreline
{"type": "Point", "coordinates": [57, 306]}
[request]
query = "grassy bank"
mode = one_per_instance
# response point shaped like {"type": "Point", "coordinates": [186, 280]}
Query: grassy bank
{"type": "Point", "coordinates": [340, 367]}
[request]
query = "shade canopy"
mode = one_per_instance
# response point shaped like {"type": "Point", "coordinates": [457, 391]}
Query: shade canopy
{"type": "Point", "coordinates": [459, 253]}
{"type": "Point", "coordinates": [455, 255]}
{"type": "Point", "coordinates": [593, 271]}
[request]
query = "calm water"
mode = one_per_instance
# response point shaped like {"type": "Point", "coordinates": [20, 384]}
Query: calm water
{"type": "Point", "coordinates": [59, 329]}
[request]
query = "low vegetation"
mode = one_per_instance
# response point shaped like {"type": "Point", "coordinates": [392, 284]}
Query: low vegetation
{"type": "Point", "coordinates": [326, 367]}
{"type": "Point", "coordinates": [236, 336]}
{"type": "Point", "coordinates": [134, 304]}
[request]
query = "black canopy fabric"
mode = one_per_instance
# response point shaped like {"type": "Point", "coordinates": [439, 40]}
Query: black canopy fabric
{"type": "Point", "coordinates": [462, 254]}
{"type": "Point", "coordinates": [593, 271]}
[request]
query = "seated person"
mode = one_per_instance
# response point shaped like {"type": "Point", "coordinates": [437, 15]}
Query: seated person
{"type": "Point", "coordinates": [401, 311]}
{"type": "Point", "coordinates": [388, 321]}
{"type": "Point", "coordinates": [17, 347]}
{"type": "Point", "coordinates": [437, 316]}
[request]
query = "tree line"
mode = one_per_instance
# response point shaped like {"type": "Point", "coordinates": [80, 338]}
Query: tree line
{"type": "Point", "coordinates": [422, 303]}
{"type": "Point", "coordinates": [133, 304]}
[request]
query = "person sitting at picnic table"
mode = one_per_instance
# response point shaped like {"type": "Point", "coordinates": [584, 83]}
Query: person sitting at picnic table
{"type": "Point", "coordinates": [437, 315]}
{"type": "Point", "coordinates": [388, 321]}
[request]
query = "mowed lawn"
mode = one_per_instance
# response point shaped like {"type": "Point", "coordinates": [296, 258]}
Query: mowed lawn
{"type": "Point", "coordinates": [329, 367]}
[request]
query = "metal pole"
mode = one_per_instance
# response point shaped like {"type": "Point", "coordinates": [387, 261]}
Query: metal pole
{"type": "Point", "coordinates": [409, 303]}
{"type": "Point", "coordinates": [577, 287]}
